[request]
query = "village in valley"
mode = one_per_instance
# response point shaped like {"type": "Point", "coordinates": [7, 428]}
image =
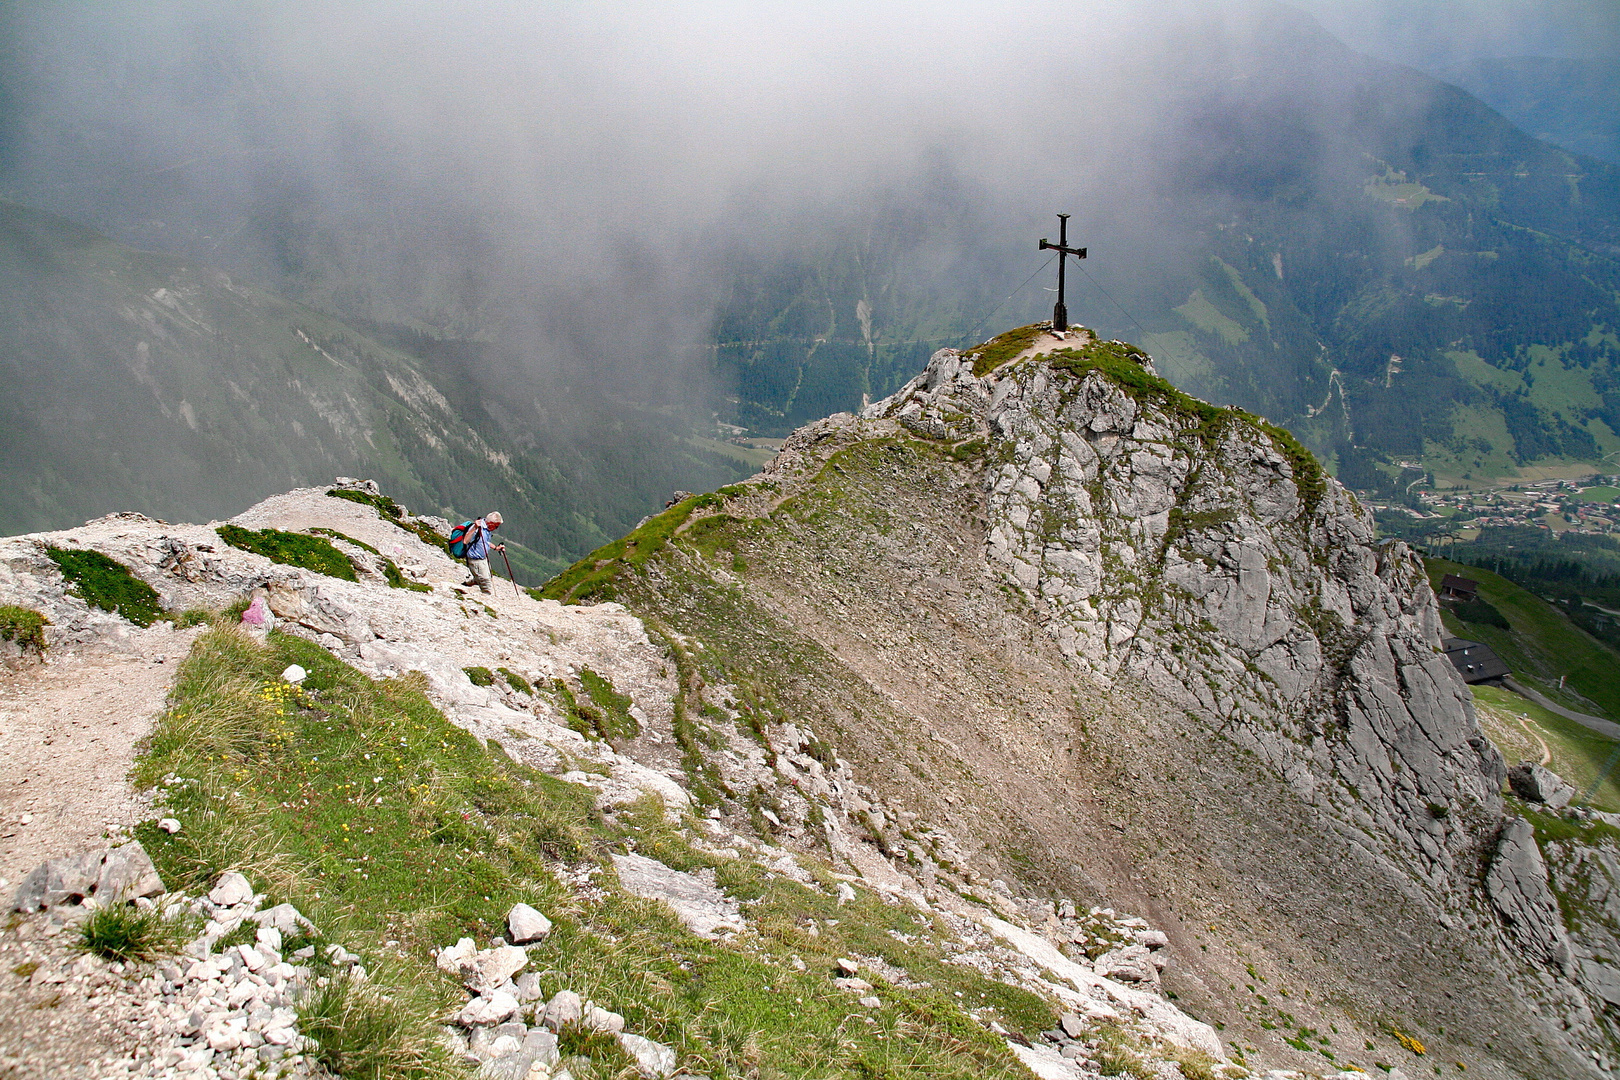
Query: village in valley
{"type": "Point", "coordinates": [1585, 505]}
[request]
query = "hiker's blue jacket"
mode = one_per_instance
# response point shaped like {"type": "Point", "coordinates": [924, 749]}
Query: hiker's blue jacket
{"type": "Point", "coordinates": [478, 545]}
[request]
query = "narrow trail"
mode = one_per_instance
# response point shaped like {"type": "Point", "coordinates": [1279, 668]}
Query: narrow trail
{"type": "Point", "coordinates": [69, 730]}
{"type": "Point", "coordinates": [1546, 754]}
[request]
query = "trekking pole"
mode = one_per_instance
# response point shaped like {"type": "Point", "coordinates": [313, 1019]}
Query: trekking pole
{"type": "Point", "coordinates": [509, 575]}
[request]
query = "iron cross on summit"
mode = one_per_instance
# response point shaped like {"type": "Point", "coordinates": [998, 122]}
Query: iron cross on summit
{"type": "Point", "coordinates": [1060, 314]}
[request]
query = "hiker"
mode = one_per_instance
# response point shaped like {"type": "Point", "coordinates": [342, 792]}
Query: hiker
{"type": "Point", "coordinates": [479, 534]}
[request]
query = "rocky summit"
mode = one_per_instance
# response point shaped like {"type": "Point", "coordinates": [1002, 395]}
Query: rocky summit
{"type": "Point", "coordinates": [1038, 674]}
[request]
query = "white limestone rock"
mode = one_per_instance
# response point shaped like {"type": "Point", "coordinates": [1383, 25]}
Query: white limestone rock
{"type": "Point", "coordinates": [1517, 885]}
{"type": "Point", "coordinates": [653, 1059]}
{"type": "Point", "coordinates": [285, 919]}
{"type": "Point", "coordinates": [126, 874]}
{"type": "Point", "coordinates": [705, 910]}
{"type": "Point", "coordinates": [231, 889]}
{"type": "Point", "coordinates": [58, 881]}
{"type": "Point", "coordinates": [524, 925]}
{"type": "Point", "coordinates": [487, 1011]}
{"type": "Point", "coordinates": [1537, 783]}
{"type": "Point", "coordinates": [488, 969]}
{"type": "Point", "coordinates": [564, 1008]}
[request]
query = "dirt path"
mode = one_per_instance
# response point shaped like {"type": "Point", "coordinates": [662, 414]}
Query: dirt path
{"type": "Point", "coordinates": [1546, 752]}
{"type": "Point", "coordinates": [68, 733]}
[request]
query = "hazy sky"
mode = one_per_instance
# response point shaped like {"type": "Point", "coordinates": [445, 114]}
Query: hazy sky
{"type": "Point", "coordinates": [1436, 34]}
{"type": "Point", "coordinates": [541, 166]}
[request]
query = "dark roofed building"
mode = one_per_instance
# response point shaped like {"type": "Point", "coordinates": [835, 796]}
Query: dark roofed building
{"type": "Point", "coordinates": [1475, 662]}
{"type": "Point", "coordinates": [1453, 587]}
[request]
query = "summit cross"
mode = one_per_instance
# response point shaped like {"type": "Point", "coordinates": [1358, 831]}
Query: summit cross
{"type": "Point", "coordinates": [1060, 314]}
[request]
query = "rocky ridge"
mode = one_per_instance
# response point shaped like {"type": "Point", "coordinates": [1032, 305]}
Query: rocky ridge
{"type": "Point", "coordinates": [1070, 588]}
{"type": "Point", "coordinates": [966, 650]}
{"type": "Point", "coordinates": [1196, 552]}
{"type": "Point", "coordinates": [817, 807]}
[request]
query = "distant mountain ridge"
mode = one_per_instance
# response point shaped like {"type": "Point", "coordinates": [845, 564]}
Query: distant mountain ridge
{"type": "Point", "coordinates": [1573, 102]}
{"type": "Point", "coordinates": [141, 380]}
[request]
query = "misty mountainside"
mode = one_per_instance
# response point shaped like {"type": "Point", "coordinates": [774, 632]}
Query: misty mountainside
{"type": "Point", "coordinates": [1127, 646]}
{"type": "Point", "coordinates": [1365, 254]}
{"type": "Point", "coordinates": [145, 381]}
{"type": "Point", "coordinates": [1572, 102]}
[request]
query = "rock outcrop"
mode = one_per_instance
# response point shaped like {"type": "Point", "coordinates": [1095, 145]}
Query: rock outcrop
{"type": "Point", "coordinates": [1517, 883]}
{"type": "Point", "coordinates": [1537, 783]}
{"type": "Point", "coordinates": [1202, 552]}
{"type": "Point", "coordinates": [118, 875]}
{"type": "Point", "coordinates": [1152, 633]}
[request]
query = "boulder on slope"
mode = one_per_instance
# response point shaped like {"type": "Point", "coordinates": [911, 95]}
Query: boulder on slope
{"type": "Point", "coordinates": [1537, 783]}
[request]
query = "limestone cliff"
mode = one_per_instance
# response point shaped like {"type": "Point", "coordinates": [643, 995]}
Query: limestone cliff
{"type": "Point", "coordinates": [1201, 553]}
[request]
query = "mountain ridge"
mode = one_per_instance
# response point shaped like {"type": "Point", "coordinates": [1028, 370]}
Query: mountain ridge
{"type": "Point", "coordinates": [974, 558]}
{"type": "Point", "coordinates": [143, 379]}
{"type": "Point", "coordinates": [1037, 633]}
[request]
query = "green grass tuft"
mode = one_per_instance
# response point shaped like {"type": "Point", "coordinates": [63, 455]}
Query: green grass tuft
{"type": "Point", "coordinates": [592, 578]}
{"type": "Point", "coordinates": [1003, 347]}
{"type": "Point", "coordinates": [107, 584]}
{"type": "Point", "coordinates": [124, 933]}
{"type": "Point", "coordinates": [616, 721]}
{"type": "Point", "coordinates": [386, 506]}
{"type": "Point", "coordinates": [391, 512]}
{"type": "Point", "coordinates": [291, 549]}
{"type": "Point", "coordinates": [391, 571]}
{"type": "Point", "coordinates": [480, 676]}
{"type": "Point", "coordinates": [516, 681]}
{"type": "Point", "coordinates": [24, 626]}
{"type": "Point", "coordinates": [363, 1033]}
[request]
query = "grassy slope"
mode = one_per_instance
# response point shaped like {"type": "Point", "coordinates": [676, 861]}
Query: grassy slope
{"type": "Point", "coordinates": [358, 802]}
{"type": "Point", "coordinates": [1541, 645]}
{"type": "Point", "coordinates": [1578, 754]}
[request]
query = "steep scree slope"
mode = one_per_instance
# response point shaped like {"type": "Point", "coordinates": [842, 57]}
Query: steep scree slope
{"type": "Point", "coordinates": [1127, 645]}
